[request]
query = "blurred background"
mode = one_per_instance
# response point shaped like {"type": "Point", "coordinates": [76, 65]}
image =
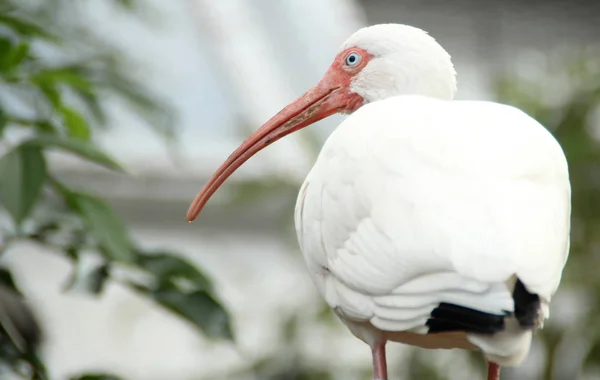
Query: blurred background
{"type": "Point", "coordinates": [114, 113]}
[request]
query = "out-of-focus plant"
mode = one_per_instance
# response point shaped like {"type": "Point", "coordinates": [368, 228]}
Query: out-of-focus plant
{"type": "Point", "coordinates": [54, 81]}
{"type": "Point", "coordinates": [563, 94]}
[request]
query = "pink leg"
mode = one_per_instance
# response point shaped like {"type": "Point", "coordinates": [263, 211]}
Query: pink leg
{"type": "Point", "coordinates": [379, 362]}
{"type": "Point", "coordinates": [493, 371]}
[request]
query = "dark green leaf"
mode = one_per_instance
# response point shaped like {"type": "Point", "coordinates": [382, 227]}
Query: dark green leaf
{"type": "Point", "coordinates": [166, 266]}
{"type": "Point", "coordinates": [80, 148]}
{"type": "Point", "coordinates": [6, 279]}
{"type": "Point", "coordinates": [11, 55]}
{"type": "Point", "coordinates": [593, 353]}
{"type": "Point", "coordinates": [44, 126]}
{"type": "Point", "coordinates": [72, 253]}
{"type": "Point", "coordinates": [43, 231]}
{"type": "Point", "coordinates": [91, 101]}
{"type": "Point", "coordinates": [51, 93]}
{"type": "Point", "coordinates": [76, 125]}
{"type": "Point", "coordinates": [49, 81]}
{"type": "Point", "coordinates": [96, 376]}
{"type": "Point", "coordinates": [19, 54]}
{"type": "Point", "coordinates": [39, 368]}
{"type": "Point", "coordinates": [65, 76]}
{"type": "Point", "coordinates": [24, 27]}
{"type": "Point", "coordinates": [22, 176]}
{"type": "Point", "coordinates": [88, 280]}
{"type": "Point", "coordinates": [18, 322]}
{"type": "Point", "coordinates": [41, 125]}
{"type": "Point", "coordinates": [104, 225]}
{"type": "Point", "coordinates": [3, 122]}
{"type": "Point", "coordinates": [5, 48]}
{"type": "Point", "coordinates": [15, 57]}
{"type": "Point", "coordinates": [198, 307]}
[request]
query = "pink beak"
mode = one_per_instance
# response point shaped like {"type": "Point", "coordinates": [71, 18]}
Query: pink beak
{"type": "Point", "coordinates": [326, 98]}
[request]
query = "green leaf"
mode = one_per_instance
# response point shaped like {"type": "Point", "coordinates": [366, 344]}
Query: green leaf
{"type": "Point", "coordinates": [80, 148]}
{"type": "Point", "coordinates": [104, 225]}
{"type": "Point", "coordinates": [43, 231]}
{"type": "Point", "coordinates": [76, 125]}
{"type": "Point", "coordinates": [41, 125]}
{"type": "Point", "coordinates": [5, 47]}
{"type": "Point", "coordinates": [49, 81]}
{"type": "Point", "coordinates": [7, 280]}
{"type": "Point", "coordinates": [11, 55]}
{"type": "Point", "coordinates": [15, 58]}
{"type": "Point", "coordinates": [90, 280]}
{"type": "Point", "coordinates": [22, 176]}
{"type": "Point", "coordinates": [64, 75]}
{"type": "Point", "coordinates": [44, 126]}
{"type": "Point", "coordinates": [24, 27]}
{"type": "Point", "coordinates": [197, 307]}
{"type": "Point", "coordinates": [195, 303]}
{"type": "Point", "coordinates": [20, 52]}
{"type": "Point", "coordinates": [3, 121]}
{"type": "Point", "coordinates": [166, 266]}
{"type": "Point", "coordinates": [51, 93]}
{"type": "Point", "coordinates": [92, 103]}
{"type": "Point", "coordinates": [96, 376]}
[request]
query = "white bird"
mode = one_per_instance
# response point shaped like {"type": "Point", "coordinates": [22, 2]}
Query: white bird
{"type": "Point", "coordinates": [425, 220]}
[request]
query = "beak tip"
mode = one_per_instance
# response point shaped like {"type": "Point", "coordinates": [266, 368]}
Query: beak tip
{"type": "Point", "coordinates": [196, 207]}
{"type": "Point", "coordinates": [191, 214]}
{"type": "Point", "coordinates": [190, 217]}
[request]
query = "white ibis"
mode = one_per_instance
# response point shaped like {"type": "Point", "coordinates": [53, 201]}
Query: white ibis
{"type": "Point", "coordinates": [428, 221]}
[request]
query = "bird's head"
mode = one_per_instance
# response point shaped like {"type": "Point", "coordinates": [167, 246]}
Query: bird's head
{"type": "Point", "coordinates": [374, 63]}
{"type": "Point", "coordinates": [386, 60]}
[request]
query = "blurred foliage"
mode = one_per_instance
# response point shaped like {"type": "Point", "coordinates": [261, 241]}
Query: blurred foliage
{"type": "Point", "coordinates": [96, 377]}
{"type": "Point", "coordinates": [56, 79]}
{"type": "Point", "coordinates": [563, 94]}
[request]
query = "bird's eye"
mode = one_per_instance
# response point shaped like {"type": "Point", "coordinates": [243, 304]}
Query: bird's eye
{"type": "Point", "coordinates": [353, 59]}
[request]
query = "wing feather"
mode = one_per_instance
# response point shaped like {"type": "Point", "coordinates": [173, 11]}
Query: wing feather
{"type": "Point", "coordinates": [408, 207]}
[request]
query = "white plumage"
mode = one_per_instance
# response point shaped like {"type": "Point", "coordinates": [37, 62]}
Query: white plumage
{"type": "Point", "coordinates": [415, 201]}
{"type": "Point", "coordinates": [425, 220]}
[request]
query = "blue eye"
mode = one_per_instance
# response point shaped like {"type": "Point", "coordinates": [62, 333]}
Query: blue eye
{"type": "Point", "coordinates": [353, 59]}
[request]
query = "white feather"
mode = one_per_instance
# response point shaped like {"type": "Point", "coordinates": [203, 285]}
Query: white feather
{"type": "Point", "coordinates": [415, 201]}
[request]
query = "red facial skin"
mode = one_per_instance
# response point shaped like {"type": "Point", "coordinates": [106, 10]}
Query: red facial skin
{"type": "Point", "coordinates": [331, 95]}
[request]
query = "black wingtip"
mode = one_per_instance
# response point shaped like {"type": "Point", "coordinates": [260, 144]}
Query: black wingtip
{"type": "Point", "coordinates": [448, 317]}
{"type": "Point", "coordinates": [527, 305]}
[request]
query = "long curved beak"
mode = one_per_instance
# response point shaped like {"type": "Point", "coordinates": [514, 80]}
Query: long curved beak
{"type": "Point", "coordinates": [318, 103]}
